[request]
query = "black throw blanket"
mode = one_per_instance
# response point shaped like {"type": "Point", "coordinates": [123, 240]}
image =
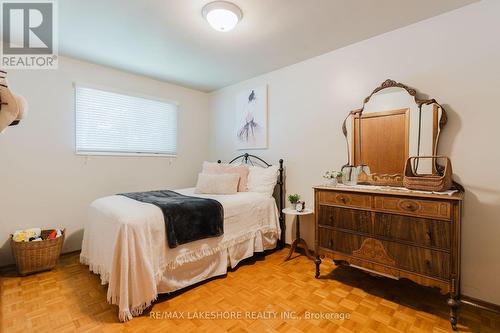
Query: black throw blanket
{"type": "Point", "coordinates": [187, 219]}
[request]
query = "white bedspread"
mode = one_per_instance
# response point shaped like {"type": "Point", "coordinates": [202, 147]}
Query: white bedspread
{"type": "Point", "coordinates": [125, 243]}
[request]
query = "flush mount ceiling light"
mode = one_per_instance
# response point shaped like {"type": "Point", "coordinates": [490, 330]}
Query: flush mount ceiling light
{"type": "Point", "coordinates": [222, 15]}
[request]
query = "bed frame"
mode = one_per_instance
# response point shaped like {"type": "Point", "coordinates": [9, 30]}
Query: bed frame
{"type": "Point", "coordinates": [280, 187]}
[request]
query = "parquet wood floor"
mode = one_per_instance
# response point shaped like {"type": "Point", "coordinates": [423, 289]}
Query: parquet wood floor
{"type": "Point", "coordinates": [71, 299]}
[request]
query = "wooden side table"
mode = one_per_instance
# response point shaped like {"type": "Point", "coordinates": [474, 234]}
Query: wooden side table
{"type": "Point", "coordinates": [298, 240]}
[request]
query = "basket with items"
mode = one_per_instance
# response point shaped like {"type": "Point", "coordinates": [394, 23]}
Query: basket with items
{"type": "Point", "coordinates": [36, 250]}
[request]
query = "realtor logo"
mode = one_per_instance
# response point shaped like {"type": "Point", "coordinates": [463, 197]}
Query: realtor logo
{"type": "Point", "coordinates": [29, 34]}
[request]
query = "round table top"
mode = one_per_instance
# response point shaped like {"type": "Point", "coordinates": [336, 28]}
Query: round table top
{"type": "Point", "coordinates": [291, 211]}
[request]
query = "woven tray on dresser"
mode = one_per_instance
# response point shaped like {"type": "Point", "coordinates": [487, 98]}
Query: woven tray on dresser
{"type": "Point", "coordinates": [392, 233]}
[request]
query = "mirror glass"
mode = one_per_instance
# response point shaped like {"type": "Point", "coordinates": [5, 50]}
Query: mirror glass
{"type": "Point", "coordinates": [392, 128]}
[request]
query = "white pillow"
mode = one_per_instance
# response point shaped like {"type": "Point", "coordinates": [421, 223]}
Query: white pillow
{"type": "Point", "coordinates": [219, 168]}
{"type": "Point", "coordinates": [262, 180]}
{"type": "Point", "coordinates": [226, 183]}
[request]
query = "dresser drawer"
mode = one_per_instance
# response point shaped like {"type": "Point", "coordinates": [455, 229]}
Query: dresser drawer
{"type": "Point", "coordinates": [406, 257]}
{"type": "Point", "coordinates": [343, 218]}
{"type": "Point", "coordinates": [417, 207]}
{"type": "Point", "coordinates": [345, 199]}
{"type": "Point", "coordinates": [420, 231]}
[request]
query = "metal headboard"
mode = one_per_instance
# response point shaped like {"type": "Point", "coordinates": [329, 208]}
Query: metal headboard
{"type": "Point", "coordinates": [248, 159]}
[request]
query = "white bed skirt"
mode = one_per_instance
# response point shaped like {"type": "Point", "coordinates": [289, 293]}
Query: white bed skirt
{"type": "Point", "coordinates": [125, 243]}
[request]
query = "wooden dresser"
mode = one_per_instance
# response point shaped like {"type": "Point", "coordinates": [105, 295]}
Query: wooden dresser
{"type": "Point", "coordinates": [393, 234]}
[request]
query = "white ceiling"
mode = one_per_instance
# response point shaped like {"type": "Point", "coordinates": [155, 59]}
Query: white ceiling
{"type": "Point", "coordinates": [170, 40]}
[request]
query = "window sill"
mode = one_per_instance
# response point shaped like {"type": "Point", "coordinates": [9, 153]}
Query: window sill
{"type": "Point", "coordinates": [99, 153]}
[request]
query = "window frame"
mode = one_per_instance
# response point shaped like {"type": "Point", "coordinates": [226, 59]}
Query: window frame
{"type": "Point", "coordinates": [76, 85]}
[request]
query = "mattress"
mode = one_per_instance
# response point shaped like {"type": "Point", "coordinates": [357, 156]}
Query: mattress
{"type": "Point", "coordinates": [125, 243]}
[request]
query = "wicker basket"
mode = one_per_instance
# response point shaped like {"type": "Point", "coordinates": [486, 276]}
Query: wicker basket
{"type": "Point", "coordinates": [38, 256]}
{"type": "Point", "coordinates": [428, 182]}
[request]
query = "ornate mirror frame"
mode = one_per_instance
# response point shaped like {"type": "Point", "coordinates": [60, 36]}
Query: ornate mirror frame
{"type": "Point", "coordinates": [393, 179]}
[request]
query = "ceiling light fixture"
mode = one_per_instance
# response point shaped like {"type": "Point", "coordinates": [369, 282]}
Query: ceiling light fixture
{"type": "Point", "coordinates": [222, 15]}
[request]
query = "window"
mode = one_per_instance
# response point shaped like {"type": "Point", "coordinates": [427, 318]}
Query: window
{"type": "Point", "coordinates": [114, 123]}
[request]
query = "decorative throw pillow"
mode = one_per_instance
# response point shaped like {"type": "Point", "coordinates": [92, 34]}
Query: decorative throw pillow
{"type": "Point", "coordinates": [217, 184]}
{"type": "Point", "coordinates": [263, 180]}
{"type": "Point", "coordinates": [221, 168]}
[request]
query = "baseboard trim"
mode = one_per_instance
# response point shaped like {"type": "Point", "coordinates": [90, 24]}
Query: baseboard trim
{"type": "Point", "coordinates": [480, 304]}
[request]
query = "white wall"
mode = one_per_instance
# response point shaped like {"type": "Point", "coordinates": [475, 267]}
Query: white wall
{"type": "Point", "coordinates": [45, 184]}
{"type": "Point", "coordinates": [454, 58]}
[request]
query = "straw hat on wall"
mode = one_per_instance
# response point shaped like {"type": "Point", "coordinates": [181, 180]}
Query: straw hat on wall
{"type": "Point", "coordinates": [13, 107]}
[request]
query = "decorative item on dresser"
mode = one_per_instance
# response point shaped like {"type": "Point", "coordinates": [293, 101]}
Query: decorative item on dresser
{"type": "Point", "coordinates": [393, 231]}
{"type": "Point", "coordinates": [432, 182]}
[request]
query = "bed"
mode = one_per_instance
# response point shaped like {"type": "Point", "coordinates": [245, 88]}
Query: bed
{"type": "Point", "coordinates": [125, 243]}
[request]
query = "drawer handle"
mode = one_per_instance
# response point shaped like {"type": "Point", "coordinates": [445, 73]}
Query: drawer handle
{"type": "Point", "coordinates": [410, 207]}
{"type": "Point", "coordinates": [428, 264]}
{"type": "Point", "coordinates": [429, 235]}
{"type": "Point", "coordinates": [343, 199]}
{"type": "Point", "coordinates": [330, 243]}
{"type": "Point", "coordinates": [330, 218]}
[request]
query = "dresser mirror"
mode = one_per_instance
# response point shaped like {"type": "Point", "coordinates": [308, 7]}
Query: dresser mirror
{"type": "Point", "coordinates": [393, 124]}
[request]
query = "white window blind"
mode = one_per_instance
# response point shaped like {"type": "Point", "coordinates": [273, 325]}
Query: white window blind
{"type": "Point", "coordinates": [109, 122]}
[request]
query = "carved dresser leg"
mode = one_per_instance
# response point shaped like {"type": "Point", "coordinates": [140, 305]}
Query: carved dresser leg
{"type": "Point", "coordinates": [317, 261]}
{"type": "Point", "coordinates": [453, 303]}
